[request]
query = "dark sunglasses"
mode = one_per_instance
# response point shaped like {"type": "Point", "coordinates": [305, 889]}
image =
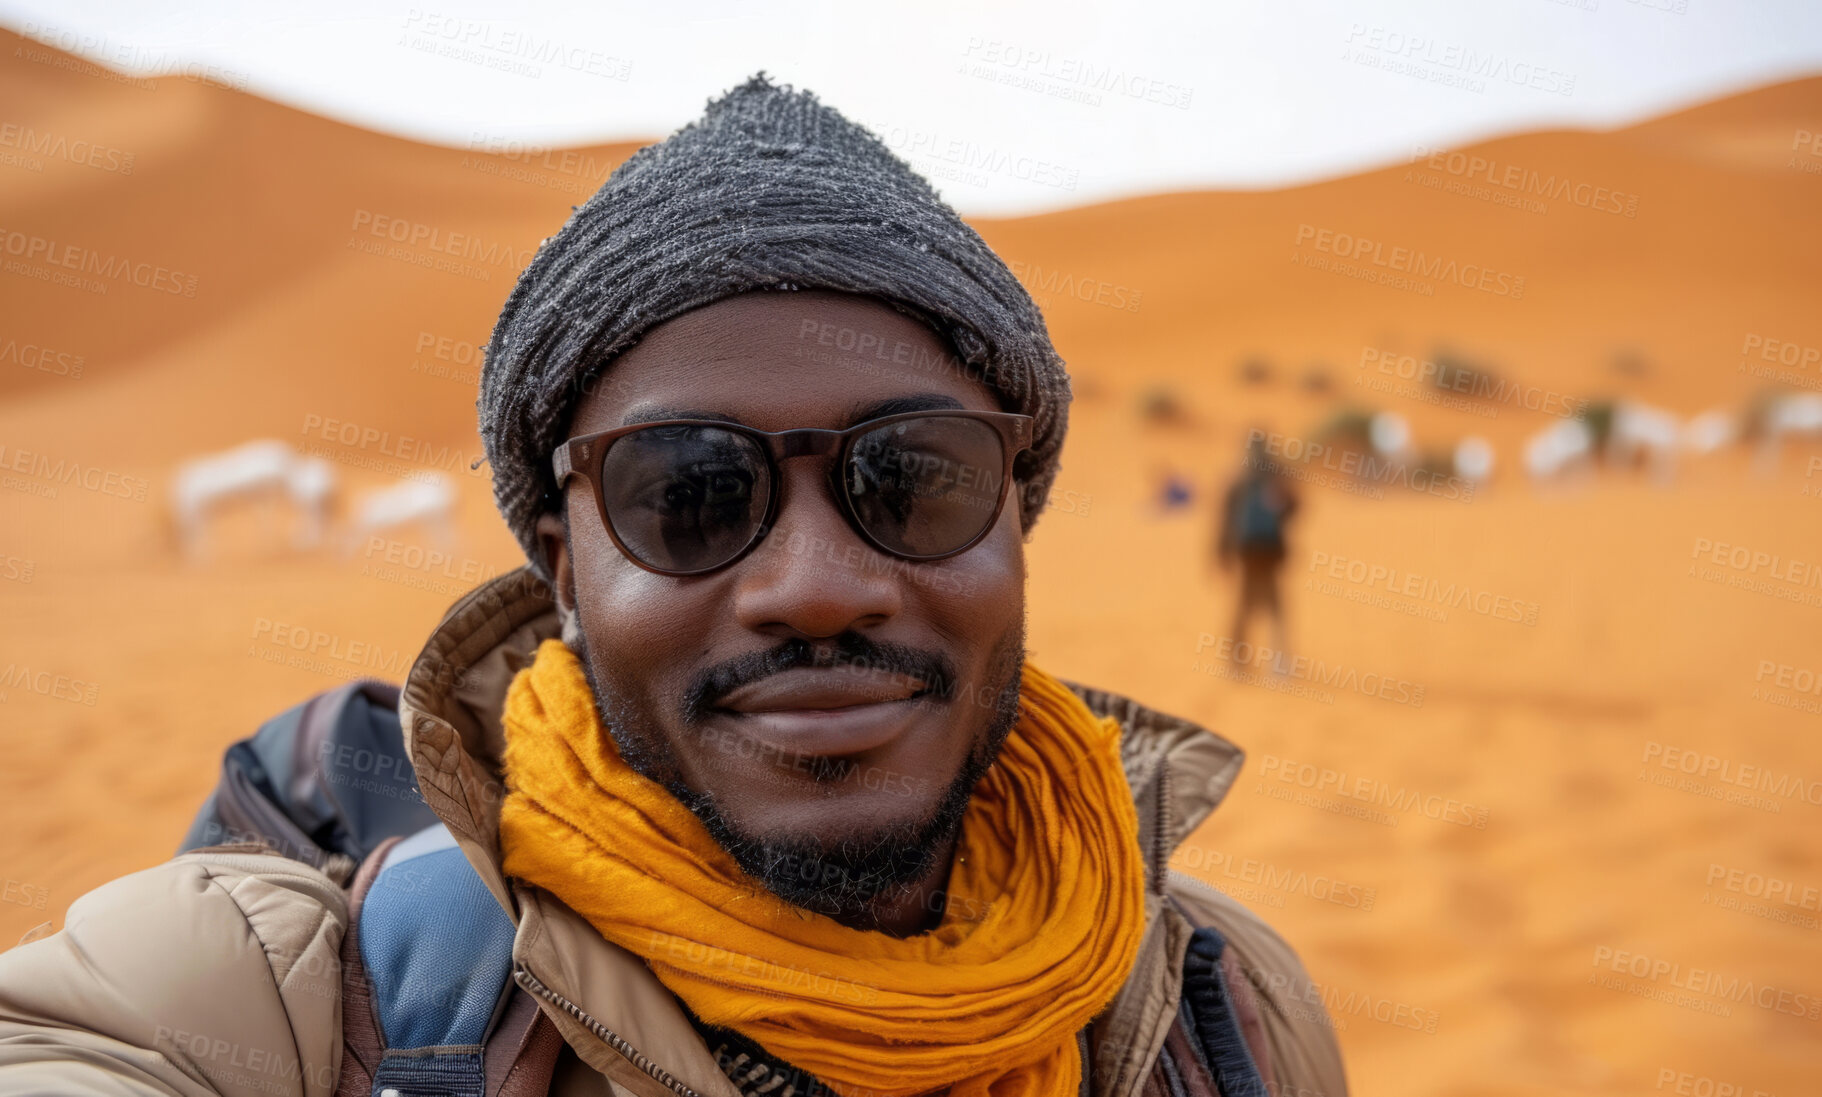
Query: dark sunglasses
{"type": "Point", "coordinates": [690, 496]}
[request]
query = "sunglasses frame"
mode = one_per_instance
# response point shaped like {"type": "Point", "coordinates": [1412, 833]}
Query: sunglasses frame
{"type": "Point", "coordinates": [584, 456]}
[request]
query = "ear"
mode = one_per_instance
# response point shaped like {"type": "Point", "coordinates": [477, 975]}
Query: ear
{"type": "Point", "coordinates": [553, 548]}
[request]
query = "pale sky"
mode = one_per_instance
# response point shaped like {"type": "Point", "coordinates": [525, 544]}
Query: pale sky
{"type": "Point", "coordinates": [1008, 108]}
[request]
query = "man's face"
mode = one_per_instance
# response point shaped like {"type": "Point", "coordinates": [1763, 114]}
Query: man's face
{"type": "Point", "coordinates": [824, 707]}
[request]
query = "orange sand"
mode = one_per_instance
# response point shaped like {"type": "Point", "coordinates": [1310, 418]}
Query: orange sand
{"type": "Point", "coordinates": [1457, 959]}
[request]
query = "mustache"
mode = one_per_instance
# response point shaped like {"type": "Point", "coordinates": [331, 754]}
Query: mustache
{"type": "Point", "coordinates": [850, 649]}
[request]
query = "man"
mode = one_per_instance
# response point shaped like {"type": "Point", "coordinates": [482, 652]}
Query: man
{"type": "Point", "coordinates": [749, 755]}
{"type": "Point", "coordinates": [1257, 507]}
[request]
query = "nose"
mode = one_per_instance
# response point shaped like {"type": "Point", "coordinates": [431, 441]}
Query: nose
{"type": "Point", "coordinates": [813, 577]}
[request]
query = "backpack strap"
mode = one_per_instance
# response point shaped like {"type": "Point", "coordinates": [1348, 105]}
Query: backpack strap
{"type": "Point", "coordinates": [428, 1003]}
{"type": "Point", "coordinates": [1216, 1024]}
{"type": "Point", "coordinates": [322, 782]}
{"type": "Point", "coordinates": [522, 1053]}
{"type": "Point", "coordinates": [362, 1044]}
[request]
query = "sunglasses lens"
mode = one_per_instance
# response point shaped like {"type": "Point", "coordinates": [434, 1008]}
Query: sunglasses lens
{"type": "Point", "coordinates": [925, 487]}
{"type": "Point", "coordinates": [685, 498]}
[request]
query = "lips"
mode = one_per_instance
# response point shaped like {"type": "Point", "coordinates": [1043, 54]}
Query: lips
{"type": "Point", "coordinates": [825, 712]}
{"type": "Point", "coordinates": [821, 690]}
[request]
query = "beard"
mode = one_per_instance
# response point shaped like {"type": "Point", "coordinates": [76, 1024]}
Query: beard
{"type": "Point", "coordinates": [845, 878]}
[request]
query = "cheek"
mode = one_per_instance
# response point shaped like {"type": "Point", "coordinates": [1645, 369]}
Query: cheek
{"type": "Point", "coordinates": [1002, 571]}
{"type": "Point", "coordinates": [975, 597]}
{"type": "Point", "coordinates": [636, 622]}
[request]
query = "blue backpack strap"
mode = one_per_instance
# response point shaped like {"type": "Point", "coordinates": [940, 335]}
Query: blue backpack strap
{"type": "Point", "coordinates": [1217, 1028]}
{"type": "Point", "coordinates": [437, 951]}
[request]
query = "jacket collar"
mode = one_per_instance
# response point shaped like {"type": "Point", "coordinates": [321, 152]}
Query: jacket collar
{"type": "Point", "coordinates": [450, 708]}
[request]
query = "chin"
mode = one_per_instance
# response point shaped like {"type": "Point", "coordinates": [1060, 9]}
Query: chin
{"type": "Point", "coordinates": [835, 853]}
{"type": "Point", "coordinates": [836, 819]}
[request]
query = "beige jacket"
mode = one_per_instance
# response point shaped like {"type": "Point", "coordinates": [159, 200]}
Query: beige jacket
{"type": "Point", "coordinates": [217, 972]}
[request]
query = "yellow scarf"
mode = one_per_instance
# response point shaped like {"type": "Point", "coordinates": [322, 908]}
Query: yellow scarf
{"type": "Point", "coordinates": [1046, 903]}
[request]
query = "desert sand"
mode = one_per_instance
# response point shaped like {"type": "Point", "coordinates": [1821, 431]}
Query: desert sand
{"type": "Point", "coordinates": [1470, 826]}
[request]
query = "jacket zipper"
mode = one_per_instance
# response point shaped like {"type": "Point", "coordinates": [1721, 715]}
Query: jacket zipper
{"type": "Point", "coordinates": [1160, 839]}
{"type": "Point", "coordinates": [523, 976]}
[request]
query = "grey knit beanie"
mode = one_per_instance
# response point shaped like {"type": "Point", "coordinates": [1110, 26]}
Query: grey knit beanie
{"type": "Point", "coordinates": [769, 189]}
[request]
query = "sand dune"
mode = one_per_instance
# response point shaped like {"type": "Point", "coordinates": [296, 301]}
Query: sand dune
{"type": "Point", "coordinates": [1499, 846]}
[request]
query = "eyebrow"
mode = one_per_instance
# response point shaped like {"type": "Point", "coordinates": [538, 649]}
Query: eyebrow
{"type": "Point", "coordinates": [654, 414]}
{"type": "Point", "coordinates": [857, 413]}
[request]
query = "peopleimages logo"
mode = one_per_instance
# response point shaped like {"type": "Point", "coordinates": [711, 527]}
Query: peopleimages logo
{"type": "Point", "coordinates": [1399, 259]}
{"type": "Point", "coordinates": [431, 238]}
{"type": "Point", "coordinates": [1713, 984]}
{"type": "Point", "coordinates": [325, 653]}
{"type": "Point", "coordinates": [1475, 168]}
{"type": "Point", "coordinates": [1453, 63]}
{"type": "Point", "coordinates": [972, 162]}
{"type": "Point", "coordinates": [1788, 685]}
{"type": "Point", "coordinates": [566, 170]}
{"type": "Point", "coordinates": [1756, 570]}
{"type": "Point", "coordinates": [1751, 560]}
{"type": "Point", "coordinates": [1296, 454]}
{"type": "Point", "coordinates": [1371, 790]}
{"type": "Point", "coordinates": [1781, 352]}
{"type": "Point", "coordinates": [1424, 588]}
{"type": "Point", "coordinates": [86, 261]}
{"type": "Point", "coordinates": [1077, 78]}
{"type": "Point", "coordinates": [144, 62]}
{"type": "Point", "coordinates": [44, 683]}
{"type": "Point", "coordinates": [1233, 872]}
{"type": "Point", "coordinates": [43, 475]}
{"type": "Point", "coordinates": [1689, 1084]}
{"type": "Point", "coordinates": [44, 359]}
{"type": "Point", "coordinates": [1756, 885]}
{"type": "Point", "coordinates": [677, 951]}
{"type": "Point", "coordinates": [56, 146]}
{"type": "Point", "coordinates": [228, 1061]}
{"type": "Point", "coordinates": [1725, 771]}
{"type": "Point", "coordinates": [348, 439]}
{"type": "Point", "coordinates": [1438, 382]}
{"type": "Point", "coordinates": [1045, 283]}
{"type": "Point", "coordinates": [506, 48]}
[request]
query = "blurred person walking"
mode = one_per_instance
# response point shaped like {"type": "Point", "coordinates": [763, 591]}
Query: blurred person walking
{"type": "Point", "coordinates": [1253, 517]}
